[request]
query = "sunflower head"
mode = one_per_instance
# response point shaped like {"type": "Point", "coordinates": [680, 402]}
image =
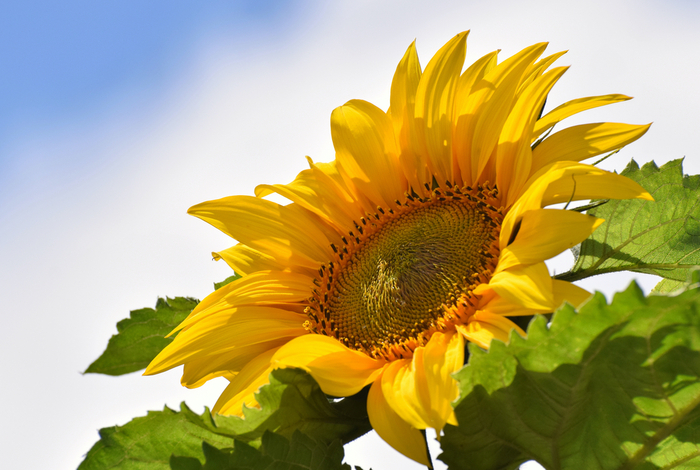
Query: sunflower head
{"type": "Point", "coordinates": [407, 271]}
{"type": "Point", "coordinates": [428, 230]}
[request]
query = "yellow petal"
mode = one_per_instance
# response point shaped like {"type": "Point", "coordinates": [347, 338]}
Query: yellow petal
{"type": "Point", "coordinates": [339, 371]}
{"type": "Point", "coordinates": [406, 390]}
{"type": "Point", "coordinates": [289, 234]}
{"type": "Point", "coordinates": [513, 155]}
{"type": "Point", "coordinates": [537, 69]}
{"type": "Point", "coordinates": [435, 103]}
{"type": "Point", "coordinates": [421, 389]}
{"type": "Point", "coordinates": [198, 371]}
{"type": "Point", "coordinates": [501, 306]}
{"type": "Point", "coordinates": [495, 101]}
{"type": "Point", "coordinates": [442, 357]}
{"type": "Point", "coordinates": [543, 234]}
{"type": "Point", "coordinates": [318, 193]}
{"type": "Point", "coordinates": [568, 292]}
{"type": "Point", "coordinates": [395, 431]}
{"type": "Point", "coordinates": [464, 119]}
{"type": "Point", "coordinates": [265, 288]}
{"type": "Point", "coordinates": [529, 286]}
{"type": "Point", "coordinates": [585, 141]}
{"type": "Point", "coordinates": [402, 111]}
{"type": "Point", "coordinates": [366, 151]}
{"type": "Point", "coordinates": [572, 107]}
{"type": "Point", "coordinates": [483, 327]}
{"type": "Point", "coordinates": [228, 331]}
{"type": "Point", "coordinates": [245, 260]}
{"type": "Point", "coordinates": [568, 181]}
{"type": "Point", "coordinates": [242, 387]}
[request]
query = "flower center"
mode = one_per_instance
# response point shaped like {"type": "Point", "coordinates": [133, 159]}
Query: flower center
{"type": "Point", "coordinates": [409, 272]}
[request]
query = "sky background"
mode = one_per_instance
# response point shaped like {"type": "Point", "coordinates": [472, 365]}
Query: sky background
{"type": "Point", "coordinates": [115, 117]}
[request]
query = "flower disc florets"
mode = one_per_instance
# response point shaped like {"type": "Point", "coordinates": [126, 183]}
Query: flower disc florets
{"type": "Point", "coordinates": [408, 271]}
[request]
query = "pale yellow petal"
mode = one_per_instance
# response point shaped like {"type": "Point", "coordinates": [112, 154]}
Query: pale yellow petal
{"type": "Point", "coordinates": [573, 107]}
{"type": "Point", "coordinates": [585, 141]}
{"type": "Point", "coordinates": [243, 386]}
{"type": "Point", "coordinates": [395, 431]}
{"type": "Point", "coordinates": [543, 234]}
{"type": "Point", "coordinates": [339, 371]}
{"type": "Point", "coordinates": [435, 105]}
{"type": "Point", "coordinates": [367, 153]}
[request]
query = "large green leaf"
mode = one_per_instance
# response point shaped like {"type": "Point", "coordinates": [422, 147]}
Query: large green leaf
{"type": "Point", "coordinates": [275, 452]}
{"type": "Point", "coordinates": [147, 443]}
{"type": "Point", "coordinates": [141, 337]}
{"type": "Point", "coordinates": [612, 387]}
{"type": "Point", "coordinates": [170, 440]}
{"type": "Point", "coordinates": [660, 237]}
{"type": "Point", "coordinates": [293, 401]}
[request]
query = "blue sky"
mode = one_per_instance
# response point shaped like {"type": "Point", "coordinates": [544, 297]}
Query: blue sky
{"type": "Point", "coordinates": [61, 58]}
{"type": "Point", "coordinates": [115, 117]}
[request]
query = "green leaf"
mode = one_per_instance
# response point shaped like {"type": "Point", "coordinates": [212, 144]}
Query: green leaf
{"type": "Point", "coordinates": [671, 286]}
{"type": "Point", "coordinates": [293, 401]}
{"type": "Point", "coordinates": [659, 237]}
{"type": "Point", "coordinates": [147, 443]}
{"type": "Point", "coordinates": [141, 337]}
{"type": "Point", "coordinates": [276, 452]}
{"type": "Point", "coordinates": [228, 280]}
{"type": "Point", "coordinates": [613, 387]}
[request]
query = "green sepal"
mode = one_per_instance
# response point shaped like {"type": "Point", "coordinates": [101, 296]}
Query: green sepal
{"type": "Point", "coordinates": [609, 388]}
{"type": "Point", "coordinates": [659, 237]}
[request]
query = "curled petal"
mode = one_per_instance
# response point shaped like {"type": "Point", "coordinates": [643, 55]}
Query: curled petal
{"type": "Point", "coordinates": [543, 234]}
{"type": "Point", "coordinates": [244, 384]}
{"type": "Point", "coordinates": [395, 431]}
{"type": "Point", "coordinates": [339, 371]}
{"type": "Point", "coordinates": [528, 286]}
{"type": "Point", "coordinates": [483, 327]}
{"type": "Point", "coordinates": [421, 389]}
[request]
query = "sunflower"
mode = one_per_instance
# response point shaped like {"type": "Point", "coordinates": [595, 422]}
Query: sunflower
{"type": "Point", "coordinates": [427, 231]}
